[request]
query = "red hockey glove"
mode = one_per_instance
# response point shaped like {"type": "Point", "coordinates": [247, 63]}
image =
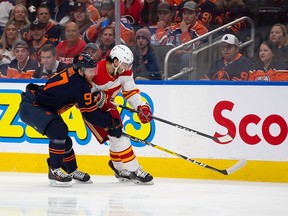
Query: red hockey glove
{"type": "Point", "coordinates": [144, 113]}
{"type": "Point", "coordinates": [103, 101]}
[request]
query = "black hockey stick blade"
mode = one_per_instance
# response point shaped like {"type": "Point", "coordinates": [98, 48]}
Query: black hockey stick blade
{"type": "Point", "coordinates": [223, 139]}
{"type": "Point", "coordinates": [228, 171]}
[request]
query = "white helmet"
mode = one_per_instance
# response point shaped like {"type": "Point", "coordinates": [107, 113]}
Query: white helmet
{"type": "Point", "coordinates": [122, 53]}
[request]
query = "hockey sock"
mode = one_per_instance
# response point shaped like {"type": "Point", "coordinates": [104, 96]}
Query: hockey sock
{"type": "Point", "coordinates": [116, 160]}
{"type": "Point", "coordinates": [56, 151]}
{"type": "Point", "coordinates": [129, 159]}
{"type": "Point", "coordinates": [69, 158]}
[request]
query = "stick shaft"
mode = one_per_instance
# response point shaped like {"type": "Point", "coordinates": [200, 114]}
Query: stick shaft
{"type": "Point", "coordinates": [176, 125]}
{"type": "Point", "coordinates": [224, 172]}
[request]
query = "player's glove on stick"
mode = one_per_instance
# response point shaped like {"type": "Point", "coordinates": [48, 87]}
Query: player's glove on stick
{"type": "Point", "coordinates": [115, 129]}
{"type": "Point", "coordinates": [144, 113]}
{"type": "Point", "coordinates": [103, 101]}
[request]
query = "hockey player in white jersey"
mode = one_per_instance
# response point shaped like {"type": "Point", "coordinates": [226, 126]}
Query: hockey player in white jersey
{"type": "Point", "coordinates": [114, 75]}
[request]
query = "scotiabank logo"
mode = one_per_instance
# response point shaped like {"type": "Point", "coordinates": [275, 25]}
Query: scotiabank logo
{"type": "Point", "coordinates": [263, 124]}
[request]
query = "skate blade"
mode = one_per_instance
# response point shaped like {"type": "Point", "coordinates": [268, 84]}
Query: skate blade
{"type": "Point", "coordinates": [54, 183]}
{"type": "Point", "coordinates": [124, 180]}
{"type": "Point", "coordinates": [143, 183]}
{"type": "Point", "coordinates": [83, 182]}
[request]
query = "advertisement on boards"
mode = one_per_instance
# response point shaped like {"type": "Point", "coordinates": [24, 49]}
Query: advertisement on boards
{"type": "Point", "coordinates": [253, 116]}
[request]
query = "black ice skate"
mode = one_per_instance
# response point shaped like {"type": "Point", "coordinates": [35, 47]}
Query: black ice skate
{"type": "Point", "coordinates": [142, 177]}
{"type": "Point", "coordinates": [80, 177]}
{"type": "Point", "coordinates": [123, 175]}
{"type": "Point", "coordinates": [59, 178]}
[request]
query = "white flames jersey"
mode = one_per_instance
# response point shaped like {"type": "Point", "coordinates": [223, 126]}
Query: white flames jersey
{"type": "Point", "coordinates": [113, 85]}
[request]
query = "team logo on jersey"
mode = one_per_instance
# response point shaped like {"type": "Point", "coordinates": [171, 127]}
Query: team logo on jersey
{"type": "Point", "coordinates": [221, 75]}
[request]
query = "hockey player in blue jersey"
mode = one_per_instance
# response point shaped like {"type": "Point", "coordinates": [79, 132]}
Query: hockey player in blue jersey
{"type": "Point", "coordinates": [41, 107]}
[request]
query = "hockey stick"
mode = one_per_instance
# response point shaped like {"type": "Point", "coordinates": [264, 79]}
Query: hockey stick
{"type": "Point", "coordinates": [225, 138]}
{"type": "Point", "coordinates": [241, 163]}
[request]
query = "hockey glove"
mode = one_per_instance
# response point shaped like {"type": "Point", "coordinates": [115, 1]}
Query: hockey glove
{"type": "Point", "coordinates": [31, 87]}
{"type": "Point", "coordinates": [144, 113]}
{"type": "Point", "coordinates": [115, 129]}
{"type": "Point", "coordinates": [103, 101]}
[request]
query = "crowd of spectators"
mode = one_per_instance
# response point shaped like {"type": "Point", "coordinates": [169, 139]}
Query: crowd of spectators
{"type": "Point", "coordinates": [39, 37]}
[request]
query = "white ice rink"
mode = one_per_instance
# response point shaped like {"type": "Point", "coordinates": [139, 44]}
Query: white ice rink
{"type": "Point", "coordinates": [26, 194]}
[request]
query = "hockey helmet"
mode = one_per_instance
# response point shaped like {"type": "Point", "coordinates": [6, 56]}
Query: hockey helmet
{"type": "Point", "coordinates": [123, 54]}
{"type": "Point", "coordinates": [84, 60]}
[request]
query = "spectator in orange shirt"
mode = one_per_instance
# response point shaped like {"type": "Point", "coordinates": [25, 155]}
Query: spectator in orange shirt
{"type": "Point", "coordinates": [52, 30]}
{"type": "Point", "coordinates": [268, 58]}
{"type": "Point", "coordinates": [93, 11]}
{"type": "Point", "coordinates": [37, 32]}
{"type": "Point", "coordinates": [108, 19]}
{"type": "Point", "coordinates": [22, 67]}
{"type": "Point", "coordinates": [188, 29]}
{"type": "Point", "coordinates": [160, 31]}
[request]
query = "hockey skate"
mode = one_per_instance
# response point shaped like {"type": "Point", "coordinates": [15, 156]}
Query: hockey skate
{"type": "Point", "coordinates": [80, 177]}
{"type": "Point", "coordinates": [142, 177]}
{"type": "Point", "coordinates": [123, 175]}
{"type": "Point", "coordinates": [59, 178]}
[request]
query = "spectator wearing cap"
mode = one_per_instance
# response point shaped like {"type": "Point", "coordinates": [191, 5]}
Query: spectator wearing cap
{"type": "Point", "coordinates": [208, 13]}
{"type": "Point", "coordinates": [108, 18]}
{"type": "Point", "coordinates": [161, 30]}
{"type": "Point", "coordinates": [22, 67]}
{"type": "Point", "coordinates": [233, 65]}
{"type": "Point", "coordinates": [81, 17]}
{"type": "Point", "coordinates": [71, 46]}
{"type": "Point", "coordinates": [188, 29]}
{"type": "Point", "coordinates": [93, 50]}
{"type": "Point", "coordinates": [49, 64]}
{"type": "Point", "coordinates": [146, 63]}
{"type": "Point", "coordinates": [52, 30]}
{"type": "Point", "coordinates": [37, 32]}
{"type": "Point", "coordinates": [147, 14]}
{"type": "Point", "coordinates": [131, 10]}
